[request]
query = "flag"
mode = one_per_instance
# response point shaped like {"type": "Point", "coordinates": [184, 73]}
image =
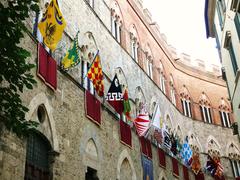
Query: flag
{"type": "Point", "coordinates": [114, 95]}
{"type": "Point", "coordinates": [158, 136]}
{"type": "Point", "coordinates": [211, 165]}
{"type": "Point", "coordinates": [52, 25]}
{"type": "Point", "coordinates": [195, 163]}
{"type": "Point", "coordinates": [147, 166]}
{"type": "Point", "coordinates": [142, 123]}
{"type": "Point", "coordinates": [174, 146]}
{"type": "Point", "coordinates": [186, 152]}
{"type": "Point", "coordinates": [214, 166]}
{"type": "Point", "coordinates": [126, 104]}
{"type": "Point", "coordinates": [71, 58]}
{"type": "Point", "coordinates": [157, 117]}
{"type": "Point", "coordinates": [95, 74]}
{"type": "Point", "coordinates": [167, 140]}
{"type": "Point", "coordinates": [219, 170]}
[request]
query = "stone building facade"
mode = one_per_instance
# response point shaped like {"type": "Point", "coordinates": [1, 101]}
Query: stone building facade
{"type": "Point", "coordinates": [223, 23]}
{"type": "Point", "coordinates": [134, 49]}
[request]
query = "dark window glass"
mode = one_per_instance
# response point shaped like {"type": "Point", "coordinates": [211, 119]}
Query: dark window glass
{"type": "Point", "coordinates": [37, 159]}
{"type": "Point", "coordinates": [233, 58]}
{"type": "Point", "coordinates": [237, 23]}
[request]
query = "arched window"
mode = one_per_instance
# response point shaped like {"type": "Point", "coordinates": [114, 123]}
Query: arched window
{"type": "Point", "coordinates": [172, 91]}
{"type": "Point", "coordinates": [134, 48]}
{"type": "Point", "coordinates": [88, 52]}
{"type": "Point", "coordinates": [116, 22]}
{"type": "Point", "coordinates": [205, 108]}
{"type": "Point", "coordinates": [149, 61]}
{"type": "Point", "coordinates": [224, 113]}
{"type": "Point", "coordinates": [162, 79]}
{"type": "Point", "coordinates": [149, 67]}
{"type": "Point", "coordinates": [235, 167]}
{"type": "Point", "coordinates": [234, 157]}
{"type": "Point", "coordinates": [37, 158]}
{"type": "Point", "coordinates": [186, 102]}
{"type": "Point", "coordinates": [134, 41]}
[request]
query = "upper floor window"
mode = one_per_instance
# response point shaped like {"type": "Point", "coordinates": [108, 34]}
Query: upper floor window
{"type": "Point", "coordinates": [149, 66]}
{"type": "Point", "coordinates": [134, 48]}
{"type": "Point", "coordinates": [186, 105]}
{"type": "Point", "coordinates": [172, 91]}
{"type": "Point", "coordinates": [221, 9]}
{"type": "Point", "coordinates": [87, 57]}
{"type": "Point", "coordinates": [229, 46]}
{"type": "Point", "coordinates": [134, 42]}
{"type": "Point", "coordinates": [205, 109]}
{"type": "Point", "coordinates": [91, 3]}
{"type": "Point", "coordinates": [225, 118]}
{"type": "Point", "coordinates": [235, 167]}
{"type": "Point", "coordinates": [206, 113]}
{"type": "Point", "coordinates": [235, 6]}
{"type": "Point", "coordinates": [186, 102]}
{"type": "Point", "coordinates": [162, 83]}
{"type": "Point", "coordinates": [224, 114]}
{"type": "Point", "coordinates": [116, 24]}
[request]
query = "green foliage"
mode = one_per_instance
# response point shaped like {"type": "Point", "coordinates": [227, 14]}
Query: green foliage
{"type": "Point", "coordinates": [14, 70]}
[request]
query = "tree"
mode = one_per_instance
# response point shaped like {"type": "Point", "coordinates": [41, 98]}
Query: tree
{"type": "Point", "coordinates": [14, 69]}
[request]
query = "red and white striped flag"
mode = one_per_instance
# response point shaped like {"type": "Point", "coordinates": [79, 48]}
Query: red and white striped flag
{"type": "Point", "coordinates": [142, 123]}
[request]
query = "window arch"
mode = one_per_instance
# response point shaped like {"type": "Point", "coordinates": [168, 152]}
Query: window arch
{"type": "Point", "coordinates": [162, 79]}
{"type": "Point", "coordinates": [186, 102]}
{"type": "Point", "coordinates": [172, 90]}
{"type": "Point", "coordinates": [205, 108]}
{"type": "Point", "coordinates": [234, 157]}
{"type": "Point", "coordinates": [149, 61]}
{"type": "Point", "coordinates": [224, 112]}
{"type": "Point", "coordinates": [88, 50]}
{"type": "Point", "coordinates": [116, 21]}
{"type": "Point", "coordinates": [135, 45]}
{"type": "Point", "coordinates": [38, 157]}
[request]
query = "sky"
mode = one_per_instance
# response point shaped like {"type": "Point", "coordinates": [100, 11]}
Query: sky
{"type": "Point", "coordinates": [182, 21]}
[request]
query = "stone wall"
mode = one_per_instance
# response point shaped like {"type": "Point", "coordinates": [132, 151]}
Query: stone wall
{"type": "Point", "coordinates": [77, 141]}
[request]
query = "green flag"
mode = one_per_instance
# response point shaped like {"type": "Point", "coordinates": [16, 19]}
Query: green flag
{"type": "Point", "coordinates": [72, 57]}
{"type": "Point", "coordinates": [126, 104]}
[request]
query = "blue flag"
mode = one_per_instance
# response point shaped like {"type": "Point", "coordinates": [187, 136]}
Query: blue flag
{"type": "Point", "coordinates": [147, 168]}
{"type": "Point", "coordinates": [186, 152]}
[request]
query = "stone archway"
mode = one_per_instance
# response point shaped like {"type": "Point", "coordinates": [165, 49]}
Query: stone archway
{"type": "Point", "coordinates": [125, 161]}
{"type": "Point", "coordinates": [90, 150]}
{"type": "Point", "coordinates": [48, 126]}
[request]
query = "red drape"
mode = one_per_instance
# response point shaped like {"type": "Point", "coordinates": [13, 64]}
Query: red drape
{"type": "Point", "coordinates": [162, 158]}
{"type": "Point", "coordinates": [199, 176]}
{"type": "Point", "coordinates": [42, 62]}
{"type": "Point", "coordinates": [92, 107]}
{"type": "Point", "coordinates": [125, 133]}
{"type": "Point", "coordinates": [47, 68]}
{"type": "Point", "coordinates": [185, 173]}
{"type": "Point", "coordinates": [175, 167]}
{"type": "Point", "coordinates": [146, 147]}
{"type": "Point", "coordinates": [52, 73]}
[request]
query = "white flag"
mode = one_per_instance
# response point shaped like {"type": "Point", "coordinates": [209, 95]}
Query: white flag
{"type": "Point", "coordinates": [156, 121]}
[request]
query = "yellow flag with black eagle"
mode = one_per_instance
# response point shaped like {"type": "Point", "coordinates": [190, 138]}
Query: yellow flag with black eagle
{"type": "Point", "coordinates": [52, 25]}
